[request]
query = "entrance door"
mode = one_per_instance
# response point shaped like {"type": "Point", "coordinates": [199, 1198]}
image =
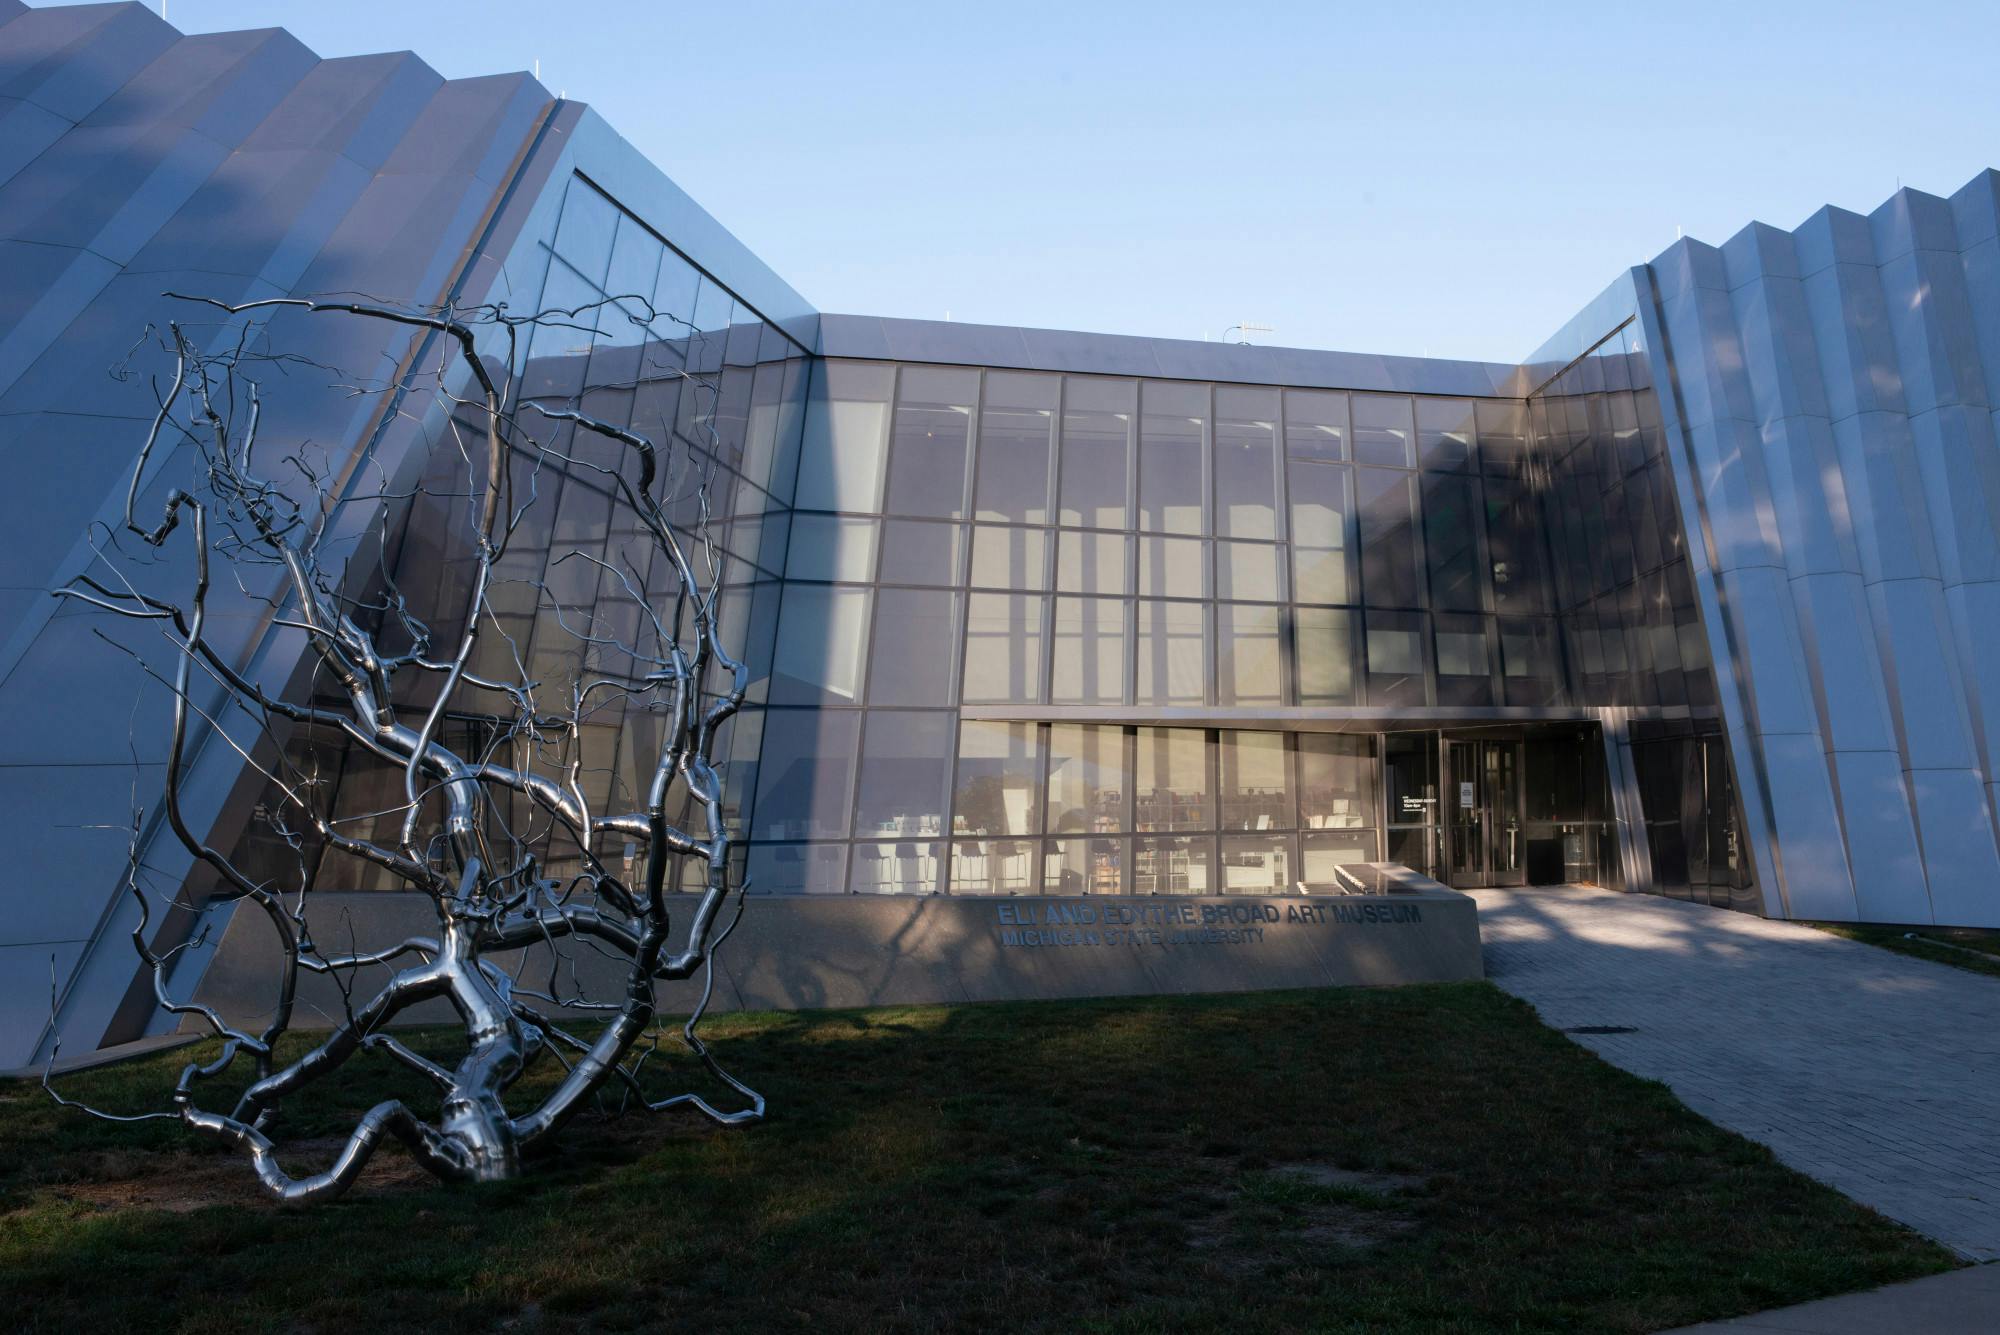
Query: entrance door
{"type": "Point", "coordinates": [1487, 841]}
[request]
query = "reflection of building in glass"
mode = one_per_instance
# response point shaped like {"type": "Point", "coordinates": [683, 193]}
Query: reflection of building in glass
{"type": "Point", "coordinates": [1699, 599]}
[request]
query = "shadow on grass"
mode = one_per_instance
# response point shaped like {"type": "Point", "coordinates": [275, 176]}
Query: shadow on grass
{"type": "Point", "coordinates": [1121, 1164]}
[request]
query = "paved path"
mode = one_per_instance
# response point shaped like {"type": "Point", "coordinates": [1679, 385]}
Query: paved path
{"type": "Point", "coordinates": [1964, 1302]}
{"type": "Point", "coordinates": [1873, 1072]}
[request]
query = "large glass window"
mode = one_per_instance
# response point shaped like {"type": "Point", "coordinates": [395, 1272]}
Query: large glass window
{"type": "Point", "coordinates": [1256, 781]}
{"type": "Point", "coordinates": [1246, 462]}
{"type": "Point", "coordinates": [932, 441]}
{"type": "Point", "coordinates": [999, 785]}
{"type": "Point", "coordinates": [1503, 436]}
{"type": "Point", "coordinates": [1170, 783]}
{"type": "Point", "coordinates": [1016, 447]}
{"type": "Point", "coordinates": [1323, 650]}
{"type": "Point", "coordinates": [1453, 518]}
{"type": "Point", "coordinates": [905, 765]}
{"type": "Point", "coordinates": [805, 775]}
{"type": "Point", "coordinates": [1445, 434]}
{"type": "Point", "coordinates": [1464, 659]}
{"type": "Point", "coordinates": [910, 662]}
{"type": "Point", "coordinates": [915, 552]}
{"type": "Point", "coordinates": [1096, 451]}
{"type": "Point", "coordinates": [1322, 534]}
{"type": "Point", "coordinates": [1396, 653]}
{"type": "Point", "coordinates": [1085, 867]}
{"type": "Point", "coordinates": [1392, 573]}
{"type": "Point", "coordinates": [1336, 781]}
{"type": "Point", "coordinates": [1251, 571]}
{"type": "Point", "coordinates": [847, 429]}
{"type": "Point", "coordinates": [1089, 785]}
{"type": "Point", "coordinates": [818, 655]}
{"type": "Point", "coordinates": [1173, 866]}
{"type": "Point", "coordinates": [1089, 667]}
{"type": "Point", "coordinates": [1172, 463]}
{"type": "Point", "coordinates": [1010, 558]}
{"type": "Point", "coordinates": [1173, 640]}
{"type": "Point", "coordinates": [1257, 864]}
{"type": "Point", "coordinates": [1003, 648]}
{"type": "Point", "coordinates": [1091, 562]}
{"type": "Point", "coordinates": [1173, 567]}
{"type": "Point", "coordinates": [995, 866]}
{"type": "Point", "coordinates": [1249, 655]}
{"type": "Point", "coordinates": [1384, 432]}
{"type": "Point", "coordinates": [831, 547]}
{"type": "Point", "coordinates": [1315, 424]}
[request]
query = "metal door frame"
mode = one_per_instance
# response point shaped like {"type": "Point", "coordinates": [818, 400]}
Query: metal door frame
{"type": "Point", "coordinates": [1483, 875]}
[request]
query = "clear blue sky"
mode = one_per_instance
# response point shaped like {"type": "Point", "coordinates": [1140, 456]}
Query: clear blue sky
{"type": "Point", "coordinates": [1413, 177]}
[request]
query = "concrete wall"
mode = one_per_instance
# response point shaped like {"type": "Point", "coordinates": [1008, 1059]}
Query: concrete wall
{"type": "Point", "coordinates": [804, 952]}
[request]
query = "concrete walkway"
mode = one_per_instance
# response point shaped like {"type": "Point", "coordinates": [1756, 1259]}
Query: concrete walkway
{"type": "Point", "coordinates": [1873, 1072]}
{"type": "Point", "coordinates": [1964, 1302]}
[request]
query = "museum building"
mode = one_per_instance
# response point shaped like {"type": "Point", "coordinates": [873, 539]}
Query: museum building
{"type": "Point", "coordinates": [1701, 598]}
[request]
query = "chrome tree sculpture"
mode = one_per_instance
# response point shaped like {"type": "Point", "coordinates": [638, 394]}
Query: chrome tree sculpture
{"type": "Point", "coordinates": [455, 845]}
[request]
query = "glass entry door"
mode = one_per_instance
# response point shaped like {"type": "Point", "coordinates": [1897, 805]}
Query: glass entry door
{"type": "Point", "coordinates": [1487, 844]}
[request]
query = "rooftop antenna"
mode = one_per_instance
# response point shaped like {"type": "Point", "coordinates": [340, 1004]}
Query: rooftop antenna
{"type": "Point", "coordinates": [1245, 328]}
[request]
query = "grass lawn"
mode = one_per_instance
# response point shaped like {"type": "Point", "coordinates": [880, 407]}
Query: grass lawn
{"type": "Point", "coordinates": [1422, 1158]}
{"type": "Point", "coordinates": [1962, 948]}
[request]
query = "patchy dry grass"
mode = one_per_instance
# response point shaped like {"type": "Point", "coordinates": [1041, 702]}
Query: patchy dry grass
{"type": "Point", "coordinates": [1971, 949]}
{"type": "Point", "coordinates": [1424, 1158]}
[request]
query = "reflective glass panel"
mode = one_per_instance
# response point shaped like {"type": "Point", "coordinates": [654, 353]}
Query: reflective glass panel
{"type": "Point", "coordinates": [1088, 782]}
{"type": "Point", "coordinates": [914, 552]}
{"type": "Point", "coordinates": [1173, 567]}
{"type": "Point", "coordinates": [999, 786]}
{"type": "Point", "coordinates": [1256, 781]}
{"type": "Point", "coordinates": [1392, 572]}
{"type": "Point", "coordinates": [1249, 657]}
{"type": "Point", "coordinates": [1084, 867]}
{"type": "Point", "coordinates": [1173, 640]}
{"type": "Point", "coordinates": [1396, 658]}
{"type": "Point", "coordinates": [1325, 852]}
{"type": "Point", "coordinates": [1453, 517]}
{"type": "Point", "coordinates": [905, 766]}
{"type": "Point", "coordinates": [1444, 434]}
{"type": "Point", "coordinates": [1089, 666]}
{"type": "Point", "coordinates": [1170, 781]}
{"type": "Point", "coordinates": [1252, 571]}
{"type": "Point", "coordinates": [1003, 648]}
{"type": "Point", "coordinates": [902, 867]}
{"type": "Point", "coordinates": [798, 869]}
{"type": "Point", "coordinates": [910, 661]}
{"type": "Point", "coordinates": [1503, 435]}
{"type": "Point", "coordinates": [995, 866]}
{"type": "Point", "coordinates": [1173, 866]}
{"type": "Point", "coordinates": [1323, 640]}
{"type": "Point", "coordinates": [847, 428]}
{"type": "Point", "coordinates": [832, 548]}
{"type": "Point", "coordinates": [1246, 462]}
{"type": "Point", "coordinates": [1315, 424]}
{"type": "Point", "coordinates": [1336, 781]}
{"type": "Point", "coordinates": [817, 657]}
{"type": "Point", "coordinates": [932, 441]}
{"type": "Point", "coordinates": [1172, 432]}
{"type": "Point", "coordinates": [1464, 660]}
{"type": "Point", "coordinates": [805, 772]}
{"type": "Point", "coordinates": [1010, 558]}
{"type": "Point", "coordinates": [1016, 447]}
{"type": "Point", "coordinates": [1091, 562]}
{"type": "Point", "coordinates": [1383, 430]}
{"type": "Point", "coordinates": [1257, 864]}
{"type": "Point", "coordinates": [1095, 456]}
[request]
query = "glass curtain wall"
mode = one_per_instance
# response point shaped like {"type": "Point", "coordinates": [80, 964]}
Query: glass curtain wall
{"type": "Point", "coordinates": [963, 537]}
{"type": "Point", "coordinates": [1630, 623]}
{"type": "Point", "coordinates": [652, 345]}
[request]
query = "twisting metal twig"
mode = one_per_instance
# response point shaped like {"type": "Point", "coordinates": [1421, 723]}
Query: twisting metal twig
{"type": "Point", "coordinates": [458, 839]}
